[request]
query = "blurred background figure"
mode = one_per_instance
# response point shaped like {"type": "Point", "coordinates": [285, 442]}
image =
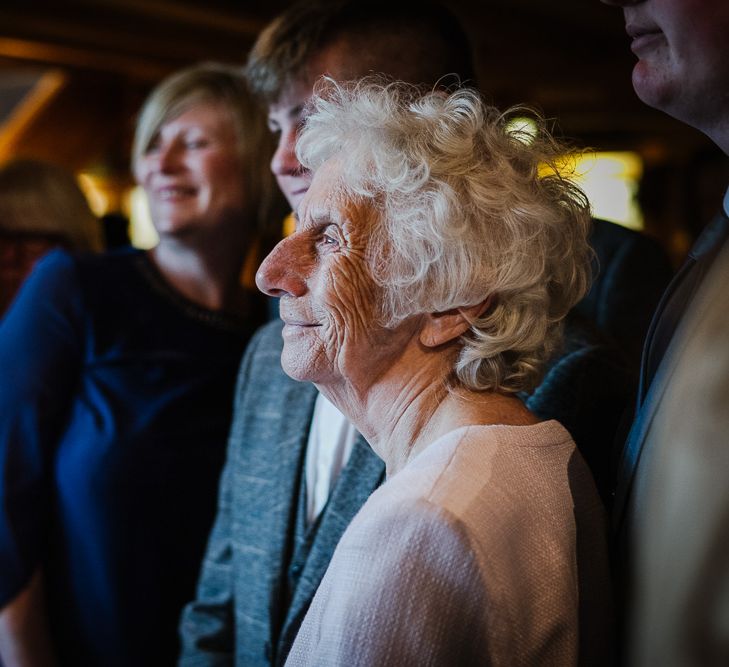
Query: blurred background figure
{"type": "Point", "coordinates": [41, 207]}
{"type": "Point", "coordinates": [116, 377]}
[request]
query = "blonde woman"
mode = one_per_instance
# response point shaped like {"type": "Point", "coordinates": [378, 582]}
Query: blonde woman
{"type": "Point", "coordinates": [116, 378]}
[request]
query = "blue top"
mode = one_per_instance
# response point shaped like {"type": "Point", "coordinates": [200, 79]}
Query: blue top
{"type": "Point", "coordinates": [115, 403]}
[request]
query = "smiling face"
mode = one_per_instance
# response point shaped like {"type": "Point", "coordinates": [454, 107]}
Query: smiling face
{"type": "Point", "coordinates": [329, 300]}
{"type": "Point", "coordinates": [192, 172]}
{"type": "Point", "coordinates": [683, 57]}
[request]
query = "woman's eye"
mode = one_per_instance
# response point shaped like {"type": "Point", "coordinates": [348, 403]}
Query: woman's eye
{"type": "Point", "coordinates": [152, 147]}
{"type": "Point", "coordinates": [329, 240]}
{"type": "Point", "coordinates": [196, 143]}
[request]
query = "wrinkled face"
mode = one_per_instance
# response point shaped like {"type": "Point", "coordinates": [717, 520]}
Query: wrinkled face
{"type": "Point", "coordinates": [192, 172]}
{"type": "Point", "coordinates": [329, 300]}
{"type": "Point", "coordinates": [683, 55]}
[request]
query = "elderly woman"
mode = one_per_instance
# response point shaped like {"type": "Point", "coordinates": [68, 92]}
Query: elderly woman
{"type": "Point", "coordinates": [116, 378]}
{"type": "Point", "coordinates": [434, 257]}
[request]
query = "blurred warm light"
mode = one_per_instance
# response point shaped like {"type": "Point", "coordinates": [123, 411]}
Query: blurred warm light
{"type": "Point", "coordinates": [610, 181]}
{"type": "Point", "coordinates": [27, 110]}
{"type": "Point", "coordinates": [523, 128]}
{"type": "Point", "coordinates": [96, 193]}
{"type": "Point", "coordinates": [141, 229]}
{"type": "Point", "coordinates": [289, 224]}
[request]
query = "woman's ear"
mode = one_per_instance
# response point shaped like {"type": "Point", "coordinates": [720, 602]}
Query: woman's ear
{"type": "Point", "coordinates": [441, 328]}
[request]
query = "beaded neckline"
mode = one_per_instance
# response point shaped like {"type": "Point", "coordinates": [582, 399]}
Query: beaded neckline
{"type": "Point", "coordinates": [219, 319]}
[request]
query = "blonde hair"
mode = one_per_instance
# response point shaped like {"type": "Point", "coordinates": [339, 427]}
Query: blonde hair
{"type": "Point", "coordinates": [41, 198]}
{"type": "Point", "coordinates": [226, 85]}
{"type": "Point", "coordinates": [468, 209]}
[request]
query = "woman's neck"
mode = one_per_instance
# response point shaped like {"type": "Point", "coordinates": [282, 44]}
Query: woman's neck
{"type": "Point", "coordinates": [209, 277]}
{"type": "Point", "coordinates": [405, 410]}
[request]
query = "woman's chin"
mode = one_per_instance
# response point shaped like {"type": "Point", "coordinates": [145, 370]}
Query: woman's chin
{"type": "Point", "coordinates": [300, 368]}
{"type": "Point", "coordinates": [296, 371]}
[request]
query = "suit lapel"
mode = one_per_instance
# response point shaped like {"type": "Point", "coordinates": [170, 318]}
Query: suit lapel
{"type": "Point", "coordinates": [633, 449]}
{"type": "Point", "coordinates": [266, 483]}
{"type": "Point", "coordinates": [665, 335]}
{"type": "Point", "coordinates": [363, 473]}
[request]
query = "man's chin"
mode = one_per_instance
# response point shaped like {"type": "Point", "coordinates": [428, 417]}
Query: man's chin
{"type": "Point", "coordinates": [652, 85]}
{"type": "Point", "coordinates": [295, 197]}
{"type": "Point", "coordinates": [294, 202]}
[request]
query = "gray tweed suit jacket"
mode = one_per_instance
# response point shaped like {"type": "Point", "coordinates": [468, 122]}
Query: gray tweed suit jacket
{"type": "Point", "coordinates": [256, 583]}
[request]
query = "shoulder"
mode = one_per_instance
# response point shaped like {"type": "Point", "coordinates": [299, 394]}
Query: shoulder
{"type": "Point", "coordinates": [413, 540]}
{"type": "Point", "coordinates": [497, 486]}
{"type": "Point", "coordinates": [108, 268]}
{"type": "Point", "coordinates": [262, 359]}
{"type": "Point", "coordinates": [408, 519]}
{"type": "Point", "coordinates": [404, 589]}
{"type": "Point", "coordinates": [267, 401]}
{"type": "Point", "coordinates": [88, 273]}
{"type": "Point", "coordinates": [613, 241]}
{"type": "Point", "coordinates": [52, 290]}
{"type": "Point", "coordinates": [267, 341]}
{"type": "Point", "coordinates": [586, 356]}
{"type": "Point", "coordinates": [57, 265]}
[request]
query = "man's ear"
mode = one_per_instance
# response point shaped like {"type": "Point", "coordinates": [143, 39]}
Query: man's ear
{"type": "Point", "coordinates": [440, 328]}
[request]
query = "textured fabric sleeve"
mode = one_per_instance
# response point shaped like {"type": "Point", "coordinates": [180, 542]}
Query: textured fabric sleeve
{"type": "Point", "coordinates": [40, 360]}
{"type": "Point", "coordinates": [403, 589]}
{"type": "Point", "coordinates": [207, 626]}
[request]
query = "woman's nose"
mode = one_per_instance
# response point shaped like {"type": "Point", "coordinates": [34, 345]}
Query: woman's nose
{"type": "Point", "coordinates": [280, 274]}
{"type": "Point", "coordinates": [169, 158]}
{"type": "Point", "coordinates": [284, 161]}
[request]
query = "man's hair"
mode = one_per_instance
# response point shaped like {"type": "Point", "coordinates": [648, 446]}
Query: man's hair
{"type": "Point", "coordinates": [419, 42]}
{"type": "Point", "coordinates": [469, 206]}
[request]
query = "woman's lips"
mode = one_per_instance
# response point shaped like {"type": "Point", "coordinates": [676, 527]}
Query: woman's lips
{"type": "Point", "coordinates": [171, 192]}
{"type": "Point", "coordinates": [644, 39]}
{"type": "Point", "coordinates": [292, 323]}
{"type": "Point", "coordinates": [295, 329]}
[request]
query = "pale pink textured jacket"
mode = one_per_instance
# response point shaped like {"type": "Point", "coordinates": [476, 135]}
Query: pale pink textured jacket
{"type": "Point", "coordinates": [488, 548]}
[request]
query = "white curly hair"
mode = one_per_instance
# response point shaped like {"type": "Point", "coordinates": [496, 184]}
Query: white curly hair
{"type": "Point", "coordinates": [468, 208]}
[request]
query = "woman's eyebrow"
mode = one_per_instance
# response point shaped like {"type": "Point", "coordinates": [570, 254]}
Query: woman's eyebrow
{"type": "Point", "coordinates": [328, 216]}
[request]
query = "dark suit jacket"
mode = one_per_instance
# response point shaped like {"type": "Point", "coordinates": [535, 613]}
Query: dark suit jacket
{"type": "Point", "coordinates": [587, 388]}
{"type": "Point", "coordinates": [643, 448]}
{"type": "Point", "coordinates": [681, 504]}
{"type": "Point", "coordinates": [655, 372]}
{"type": "Point", "coordinates": [630, 272]}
